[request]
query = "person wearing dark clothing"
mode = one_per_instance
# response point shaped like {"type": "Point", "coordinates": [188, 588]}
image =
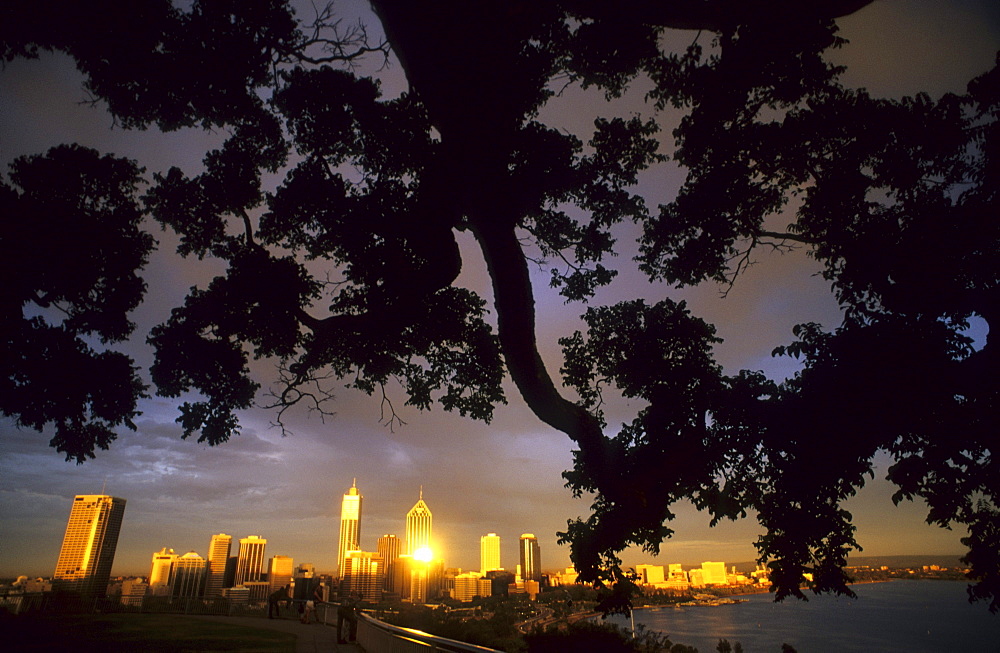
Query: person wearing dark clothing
{"type": "Point", "coordinates": [348, 611]}
{"type": "Point", "coordinates": [273, 609]}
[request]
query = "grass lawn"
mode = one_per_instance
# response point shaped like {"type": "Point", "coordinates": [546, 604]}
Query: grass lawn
{"type": "Point", "coordinates": [136, 632]}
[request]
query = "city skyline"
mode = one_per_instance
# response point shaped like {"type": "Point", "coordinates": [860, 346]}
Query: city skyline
{"type": "Point", "coordinates": [503, 477]}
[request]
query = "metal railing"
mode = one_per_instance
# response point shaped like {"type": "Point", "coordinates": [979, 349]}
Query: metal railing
{"type": "Point", "coordinates": [376, 636]}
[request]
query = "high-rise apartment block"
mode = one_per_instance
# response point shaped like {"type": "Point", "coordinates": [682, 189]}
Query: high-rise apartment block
{"type": "Point", "coordinates": [489, 553]}
{"type": "Point", "coordinates": [250, 563]}
{"type": "Point", "coordinates": [88, 548]}
{"type": "Point", "coordinates": [218, 555]}
{"type": "Point", "coordinates": [418, 526]}
{"type": "Point", "coordinates": [350, 525]}
{"type": "Point", "coordinates": [531, 562]}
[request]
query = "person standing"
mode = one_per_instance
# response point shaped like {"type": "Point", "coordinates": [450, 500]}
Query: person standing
{"type": "Point", "coordinates": [348, 611]}
{"type": "Point", "coordinates": [273, 607]}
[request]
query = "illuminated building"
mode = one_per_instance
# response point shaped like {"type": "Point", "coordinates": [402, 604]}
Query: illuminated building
{"type": "Point", "coordinates": [350, 524]}
{"type": "Point", "coordinates": [258, 590]}
{"type": "Point", "coordinates": [418, 526]}
{"type": "Point", "coordinates": [187, 575]}
{"type": "Point", "coordinates": [531, 562]}
{"type": "Point", "coordinates": [418, 579]}
{"type": "Point", "coordinates": [250, 563]}
{"type": "Point", "coordinates": [403, 573]}
{"type": "Point", "coordinates": [389, 547]}
{"type": "Point", "coordinates": [88, 548]}
{"type": "Point", "coordinates": [363, 572]}
{"type": "Point", "coordinates": [650, 574]}
{"type": "Point", "coordinates": [134, 591]}
{"type": "Point", "coordinates": [489, 553]}
{"type": "Point", "coordinates": [714, 573]}
{"type": "Point", "coordinates": [159, 572]}
{"type": "Point", "coordinates": [469, 585]}
{"type": "Point", "coordinates": [218, 556]}
{"type": "Point", "coordinates": [279, 572]}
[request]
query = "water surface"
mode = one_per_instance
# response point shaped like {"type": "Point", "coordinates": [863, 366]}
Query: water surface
{"type": "Point", "coordinates": [905, 616]}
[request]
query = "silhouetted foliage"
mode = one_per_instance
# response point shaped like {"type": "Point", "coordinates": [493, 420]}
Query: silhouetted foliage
{"type": "Point", "coordinates": [897, 200]}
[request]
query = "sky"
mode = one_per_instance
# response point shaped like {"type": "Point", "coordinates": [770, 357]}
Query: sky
{"type": "Point", "coordinates": [476, 478]}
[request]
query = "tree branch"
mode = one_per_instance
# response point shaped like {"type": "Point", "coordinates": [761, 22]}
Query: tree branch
{"type": "Point", "coordinates": [515, 305]}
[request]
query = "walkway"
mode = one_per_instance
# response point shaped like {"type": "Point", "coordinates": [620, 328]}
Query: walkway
{"type": "Point", "coordinates": [311, 638]}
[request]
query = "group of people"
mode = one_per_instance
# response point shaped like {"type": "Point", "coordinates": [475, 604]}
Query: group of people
{"type": "Point", "coordinates": [347, 611]}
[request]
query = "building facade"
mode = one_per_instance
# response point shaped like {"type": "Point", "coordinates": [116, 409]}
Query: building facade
{"type": "Point", "coordinates": [650, 574]}
{"type": "Point", "coordinates": [531, 560]}
{"type": "Point", "coordinates": [489, 553]}
{"type": "Point", "coordinates": [187, 576]}
{"type": "Point", "coordinates": [467, 586]}
{"type": "Point", "coordinates": [363, 572]}
{"type": "Point", "coordinates": [280, 570]}
{"type": "Point", "coordinates": [714, 573]}
{"type": "Point", "coordinates": [218, 555]}
{"type": "Point", "coordinates": [89, 544]}
{"type": "Point", "coordinates": [350, 524]}
{"type": "Point", "coordinates": [418, 526]}
{"type": "Point", "coordinates": [250, 562]}
{"type": "Point", "coordinates": [159, 571]}
{"type": "Point", "coordinates": [389, 547]}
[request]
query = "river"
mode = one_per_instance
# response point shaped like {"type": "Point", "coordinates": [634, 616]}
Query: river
{"type": "Point", "coordinates": [905, 616]}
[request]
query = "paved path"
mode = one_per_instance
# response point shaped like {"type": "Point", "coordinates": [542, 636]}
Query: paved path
{"type": "Point", "coordinates": [311, 638]}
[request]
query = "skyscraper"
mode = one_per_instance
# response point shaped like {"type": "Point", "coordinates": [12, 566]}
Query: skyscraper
{"type": "Point", "coordinates": [159, 571]}
{"type": "Point", "coordinates": [280, 571]}
{"type": "Point", "coordinates": [218, 554]}
{"type": "Point", "coordinates": [531, 563]}
{"type": "Point", "coordinates": [88, 548]}
{"type": "Point", "coordinates": [389, 547]}
{"type": "Point", "coordinates": [363, 572]}
{"type": "Point", "coordinates": [187, 575]}
{"type": "Point", "coordinates": [350, 524]}
{"type": "Point", "coordinates": [418, 526]}
{"type": "Point", "coordinates": [250, 563]}
{"type": "Point", "coordinates": [489, 552]}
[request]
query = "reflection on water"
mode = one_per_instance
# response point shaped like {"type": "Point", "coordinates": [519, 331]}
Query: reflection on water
{"type": "Point", "coordinates": [900, 616]}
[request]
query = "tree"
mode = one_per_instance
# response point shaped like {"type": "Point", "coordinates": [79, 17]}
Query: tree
{"type": "Point", "coordinates": [896, 199]}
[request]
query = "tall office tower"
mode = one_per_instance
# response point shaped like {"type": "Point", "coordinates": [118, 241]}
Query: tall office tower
{"type": "Point", "coordinates": [389, 547]}
{"type": "Point", "coordinates": [279, 572]}
{"type": "Point", "coordinates": [418, 526]}
{"type": "Point", "coordinates": [218, 555]}
{"type": "Point", "coordinates": [159, 572]}
{"type": "Point", "coordinates": [489, 553]}
{"type": "Point", "coordinates": [88, 548]}
{"type": "Point", "coordinates": [250, 563]}
{"type": "Point", "coordinates": [531, 562]}
{"type": "Point", "coordinates": [364, 572]}
{"type": "Point", "coordinates": [187, 575]}
{"type": "Point", "coordinates": [350, 524]}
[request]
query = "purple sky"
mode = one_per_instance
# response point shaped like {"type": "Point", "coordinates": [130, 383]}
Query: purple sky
{"type": "Point", "coordinates": [503, 477]}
